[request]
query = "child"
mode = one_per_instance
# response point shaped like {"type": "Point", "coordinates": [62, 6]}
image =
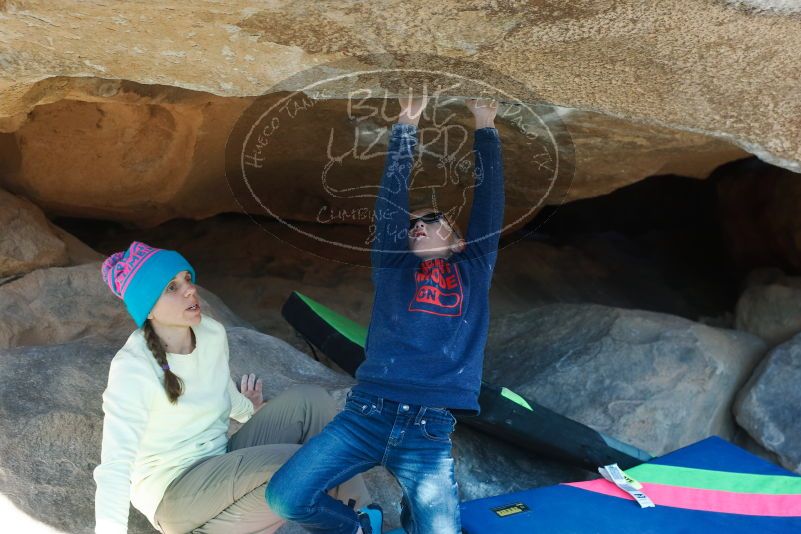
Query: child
{"type": "Point", "coordinates": [167, 405]}
{"type": "Point", "coordinates": [424, 348]}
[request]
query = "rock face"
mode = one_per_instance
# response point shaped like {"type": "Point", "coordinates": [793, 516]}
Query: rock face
{"type": "Point", "coordinates": [279, 365]}
{"type": "Point", "coordinates": [147, 155]}
{"type": "Point", "coordinates": [769, 406]}
{"type": "Point", "coordinates": [61, 304]}
{"type": "Point", "coordinates": [770, 307]}
{"type": "Point", "coordinates": [677, 63]}
{"type": "Point", "coordinates": [656, 381]}
{"type": "Point", "coordinates": [51, 411]}
{"type": "Point", "coordinates": [767, 6]}
{"type": "Point", "coordinates": [27, 241]}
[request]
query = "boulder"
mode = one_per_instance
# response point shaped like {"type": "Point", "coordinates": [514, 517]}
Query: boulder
{"type": "Point", "coordinates": [768, 407]}
{"type": "Point", "coordinates": [653, 380]}
{"type": "Point", "coordinates": [60, 304]}
{"type": "Point", "coordinates": [678, 64]}
{"type": "Point", "coordinates": [27, 241]}
{"type": "Point", "coordinates": [50, 407]}
{"type": "Point", "coordinates": [281, 366]}
{"type": "Point", "coordinates": [770, 306]}
{"type": "Point", "coordinates": [81, 159]}
{"type": "Point", "coordinates": [744, 440]}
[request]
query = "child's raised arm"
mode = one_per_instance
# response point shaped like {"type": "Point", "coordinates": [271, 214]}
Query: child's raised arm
{"type": "Point", "coordinates": [486, 215]}
{"type": "Point", "coordinates": [391, 241]}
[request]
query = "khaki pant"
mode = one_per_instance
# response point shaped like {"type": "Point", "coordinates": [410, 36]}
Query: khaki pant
{"type": "Point", "coordinates": [225, 494]}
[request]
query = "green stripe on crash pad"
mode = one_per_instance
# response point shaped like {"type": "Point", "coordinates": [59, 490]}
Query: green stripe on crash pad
{"type": "Point", "coordinates": [688, 477]}
{"type": "Point", "coordinates": [350, 329]}
{"type": "Point", "coordinates": [517, 399]}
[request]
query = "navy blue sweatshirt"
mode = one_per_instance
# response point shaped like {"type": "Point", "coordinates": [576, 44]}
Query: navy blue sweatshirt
{"type": "Point", "coordinates": [425, 343]}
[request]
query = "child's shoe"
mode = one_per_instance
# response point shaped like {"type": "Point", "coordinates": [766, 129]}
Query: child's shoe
{"type": "Point", "coordinates": [371, 517]}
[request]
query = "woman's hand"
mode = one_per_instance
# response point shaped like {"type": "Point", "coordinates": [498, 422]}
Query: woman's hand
{"type": "Point", "coordinates": [251, 388]}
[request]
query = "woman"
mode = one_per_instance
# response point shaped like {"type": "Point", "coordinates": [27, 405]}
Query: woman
{"type": "Point", "coordinates": [167, 405]}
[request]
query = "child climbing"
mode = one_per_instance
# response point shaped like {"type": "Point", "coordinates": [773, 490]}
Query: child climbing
{"type": "Point", "coordinates": [424, 348]}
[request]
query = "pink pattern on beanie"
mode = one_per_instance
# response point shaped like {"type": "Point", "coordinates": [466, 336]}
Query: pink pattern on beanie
{"type": "Point", "coordinates": [120, 268]}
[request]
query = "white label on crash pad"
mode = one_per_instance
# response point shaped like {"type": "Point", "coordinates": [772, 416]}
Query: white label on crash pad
{"type": "Point", "coordinates": [616, 476]}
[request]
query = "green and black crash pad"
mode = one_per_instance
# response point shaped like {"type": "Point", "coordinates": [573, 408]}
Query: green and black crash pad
{"type": "Point", "coordinates": [504, 414]}
{"type": "Point", "coordinates": [333, 334]}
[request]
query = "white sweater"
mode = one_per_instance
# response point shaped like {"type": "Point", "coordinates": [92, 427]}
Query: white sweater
{"type": "Point", "coordinates": [147, 441]}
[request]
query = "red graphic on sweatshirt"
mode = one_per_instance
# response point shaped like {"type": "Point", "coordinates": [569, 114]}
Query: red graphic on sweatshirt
{"type": "Point", "coordinates": [438, 289]}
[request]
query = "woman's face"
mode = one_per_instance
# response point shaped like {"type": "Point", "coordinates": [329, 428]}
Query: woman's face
{"type": "Point", "coordinates": [178, 304]}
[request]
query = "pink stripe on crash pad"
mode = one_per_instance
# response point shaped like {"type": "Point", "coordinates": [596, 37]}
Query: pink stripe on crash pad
{"type": "Point", "coordinates": [726, 502]}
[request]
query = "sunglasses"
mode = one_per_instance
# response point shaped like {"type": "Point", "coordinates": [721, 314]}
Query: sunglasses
{"type": "Point", "coordinates": [433, 217]}
{"type": "Point", "coordinates": [428, 218]}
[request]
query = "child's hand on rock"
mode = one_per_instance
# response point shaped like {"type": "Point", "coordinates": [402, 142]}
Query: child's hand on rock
{"type": "Point", "coordinates": [484, 111]}
{"type": "Point", "coordinates": [412, 107]}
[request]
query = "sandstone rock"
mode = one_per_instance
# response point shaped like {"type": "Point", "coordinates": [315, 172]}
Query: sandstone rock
{"type": "Point", "coordinates": [27, 241]}
{"type": "Point", "coordinates": [50, 401]}
{"type": "Point", "coordinates": [769, 405]}
{"type": "Point", "coordinates": [678, 64]}
{"type": "Point", "coordinates": [174, 166]}
{"type": "Point", "coordinates": [770, 307]}
{"type": "Point", "coordinates": [215, 308]}
{"type": "Point", "coordinates": [279, 365]}
{"type": "Point", "coordinates": [612, 153]}
{"type": "Point", "coordinates": [767, 6]}
{"type": "Point", "coordinates": [653, 380]}
{"type": "Point", "coordinates": [61, 304]}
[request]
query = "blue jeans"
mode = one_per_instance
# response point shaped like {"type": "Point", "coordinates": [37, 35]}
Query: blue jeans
{"type": "Point", "coordinates": [412, 442]}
